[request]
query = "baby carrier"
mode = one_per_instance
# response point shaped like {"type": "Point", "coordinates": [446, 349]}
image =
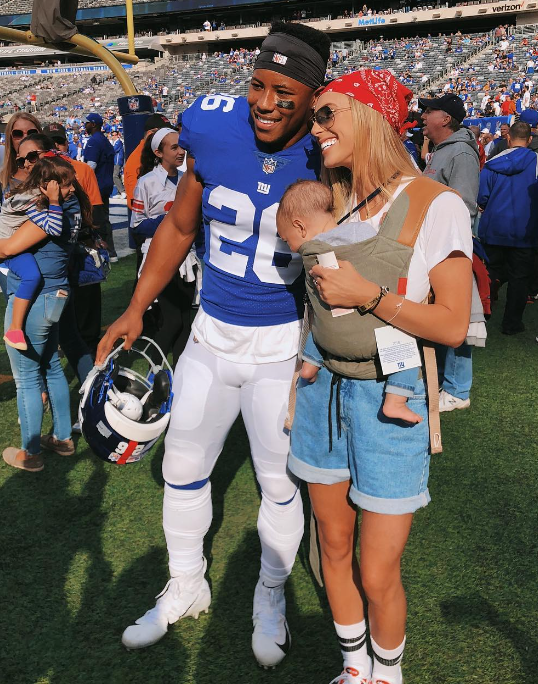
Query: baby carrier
{"type": "Point", "coordinates": [348, 342]}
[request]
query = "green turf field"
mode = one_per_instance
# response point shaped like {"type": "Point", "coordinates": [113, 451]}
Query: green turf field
{"type": "Point", "coordinates": [83, 555]}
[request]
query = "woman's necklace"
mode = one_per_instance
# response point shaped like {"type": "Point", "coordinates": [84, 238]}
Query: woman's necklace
{"type": "Point", "coordinates": [365, 201]}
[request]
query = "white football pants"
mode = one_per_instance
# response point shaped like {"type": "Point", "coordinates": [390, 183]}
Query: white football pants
{"type": "Point", "coordinates": [209, 393]}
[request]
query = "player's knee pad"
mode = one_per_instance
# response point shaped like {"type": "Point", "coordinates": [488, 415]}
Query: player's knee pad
{"type": "Point", "coordinates": [184, 462]}
{"type": "Point", "coordinates": [281, 489]}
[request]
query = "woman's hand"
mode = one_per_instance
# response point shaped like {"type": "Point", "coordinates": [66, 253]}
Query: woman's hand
{"type": "Point", "coordinates": [343, 286]}
{"type": "Point", "coordinates": [52, 192]}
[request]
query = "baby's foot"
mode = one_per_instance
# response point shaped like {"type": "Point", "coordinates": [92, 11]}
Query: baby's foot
{"type": "Point", "coordinates": [400, 411]}
{"type": "Point", "coordinates": [15, 338]}
{"type": "Point", "coordinates": [309, 371]}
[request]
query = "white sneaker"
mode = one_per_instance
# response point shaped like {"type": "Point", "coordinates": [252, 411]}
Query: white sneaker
{"type": "Point", "coordinates": [391, 680]}
{"type": "Point", "coordinates": [350, 675]}
{"type": "Point", "coordinates": [76, 428]}
{"type": "Point", "coordinates": [183, 596]}
{"type": "Point", "coordinates": [448, 403]}
{"type": "Point", "coordinates": [271, 639]}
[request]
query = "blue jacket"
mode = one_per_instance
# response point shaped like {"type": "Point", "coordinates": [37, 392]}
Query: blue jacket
{"type": "Point", "coordinates": [509, 194]}
{"type": "Point", "coordinates": [119, 157]}
{"type": "Point", "coordinates": [100, 152]}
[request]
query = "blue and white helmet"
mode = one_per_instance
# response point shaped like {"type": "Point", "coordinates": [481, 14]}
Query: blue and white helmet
{"type": "Point", "coordinates": [123, 412]}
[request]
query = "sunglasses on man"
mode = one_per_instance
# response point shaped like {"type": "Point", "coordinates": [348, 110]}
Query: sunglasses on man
{"type": "Point", "coordinates": [31, 158]}
{"type": "Point", "coordinates": [17, 134]}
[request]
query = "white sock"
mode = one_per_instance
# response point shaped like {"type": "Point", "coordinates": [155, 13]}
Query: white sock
{"type": "Point", "coordinates": [352, 640]}
{"type": "Point", "coordinates": [387, 663]}
{"type": "Point", "coordinates": [280, 528]}
{"type": "Point", "coordinates": [187, 515]}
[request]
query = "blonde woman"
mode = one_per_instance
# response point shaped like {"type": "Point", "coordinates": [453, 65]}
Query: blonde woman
{"type": "Point", "coordinates": [18, 128]}
{"type": "Point", "coordinates": [374, 463]}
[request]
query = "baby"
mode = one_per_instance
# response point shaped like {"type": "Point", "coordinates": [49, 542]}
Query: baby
{"type": "Point", "coordinates": [305, 213]}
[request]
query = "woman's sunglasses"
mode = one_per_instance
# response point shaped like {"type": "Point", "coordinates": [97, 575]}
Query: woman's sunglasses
{"type": "Point", "coordinates": [17, 134]}
{"type": "Point", "coordinates": [324, 117]}
{"type": "Point", "coordinates": [31, 158]}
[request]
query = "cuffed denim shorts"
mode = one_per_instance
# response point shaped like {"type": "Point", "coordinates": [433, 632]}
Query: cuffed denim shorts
{"type": "Point", "coordinates": [386, 460]}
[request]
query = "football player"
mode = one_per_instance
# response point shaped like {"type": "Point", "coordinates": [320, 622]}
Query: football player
{"type": "Point", "coordinates": [242, 154]}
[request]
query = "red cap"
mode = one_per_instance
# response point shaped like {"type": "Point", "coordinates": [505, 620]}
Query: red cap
{"type": "Point", "coordinates": [377, 89]}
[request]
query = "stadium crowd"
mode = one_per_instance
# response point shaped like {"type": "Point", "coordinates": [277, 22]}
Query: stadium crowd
{"type": "Point", "coordinates": [437, 189]}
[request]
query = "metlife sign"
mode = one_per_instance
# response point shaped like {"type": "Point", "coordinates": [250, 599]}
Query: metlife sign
{"type": "Point", "coordinates": [370, 21]}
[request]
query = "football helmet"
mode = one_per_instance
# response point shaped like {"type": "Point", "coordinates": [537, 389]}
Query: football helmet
{"type": "Point", "coordinates": [123, 411]}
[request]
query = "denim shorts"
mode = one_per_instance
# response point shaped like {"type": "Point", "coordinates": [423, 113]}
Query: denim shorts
{"type": "Point", "coordinates": [386, 460]}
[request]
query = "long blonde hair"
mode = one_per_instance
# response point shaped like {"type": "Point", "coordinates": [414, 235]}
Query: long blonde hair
{"type": "Point", "coordinates": [378, 154]}
{"type": "Point", "coordinates": [10, 159]}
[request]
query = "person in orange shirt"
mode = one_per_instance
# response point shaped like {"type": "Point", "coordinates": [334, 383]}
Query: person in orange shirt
{"type": "Point", "coordinates": [84, 173]}
{"type": "Point", "coordinates": [508, 107]}
{"type": "Point", "coordinates": [132, 165]}
{"type": "Point", "coordinates": [130, 177]}
{"type": "Point", "coordinates": [84, 307]}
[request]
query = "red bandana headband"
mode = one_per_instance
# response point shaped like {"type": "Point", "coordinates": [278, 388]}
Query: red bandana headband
{"type": "Point", "coordinates": [378, 90]}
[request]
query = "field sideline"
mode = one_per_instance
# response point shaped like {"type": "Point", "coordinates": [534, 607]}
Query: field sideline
{"type": "Point", "coordinates": [83, 554]}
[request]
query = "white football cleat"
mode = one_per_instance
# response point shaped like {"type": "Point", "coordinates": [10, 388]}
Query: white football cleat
{"type": "Point", "coordinates": [183, 596]}
{"type": "Point", "coordinates": [271, 639]}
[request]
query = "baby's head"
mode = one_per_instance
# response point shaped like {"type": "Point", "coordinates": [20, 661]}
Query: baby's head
{"type": "Point", "coordinates": [305, 211]}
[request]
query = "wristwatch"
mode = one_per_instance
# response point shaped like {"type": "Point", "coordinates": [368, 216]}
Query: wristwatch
{"type": "Point", "coordinates": [370, 306]}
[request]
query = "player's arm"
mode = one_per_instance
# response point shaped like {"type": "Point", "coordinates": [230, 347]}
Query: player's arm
{"type": "Point", "coordinates": [167, 252]}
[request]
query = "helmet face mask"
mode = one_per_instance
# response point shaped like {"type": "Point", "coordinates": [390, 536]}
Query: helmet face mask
{"type": "Point", "coordinates": [122, 411]}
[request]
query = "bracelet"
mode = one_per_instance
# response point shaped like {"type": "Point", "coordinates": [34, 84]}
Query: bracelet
{"type": "Point", "coordinates": [370, 306]}
{"type": "Point", "coordinates": [398, 309]}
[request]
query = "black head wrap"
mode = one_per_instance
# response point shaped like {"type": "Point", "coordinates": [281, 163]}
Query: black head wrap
{"type": "Point", "coordinates": [290, 56]}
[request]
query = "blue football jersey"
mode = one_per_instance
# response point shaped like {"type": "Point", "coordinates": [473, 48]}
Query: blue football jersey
{"type": "Point", "coordinates": [250, 277]}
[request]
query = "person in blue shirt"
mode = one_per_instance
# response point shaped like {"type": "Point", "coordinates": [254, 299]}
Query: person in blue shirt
{"type": "Point", "coordinates": [99, 154]}
{"type": "Point", "coordinates": [508, 228]}
{"type": "Point", "coordinates": [73, 146]}
{"type": "Point", "coordinates": [119, 161]}
{"type": "Point", "coordinates": [42, 330]}
{"type": "Point", "coordinates": [242, 155]}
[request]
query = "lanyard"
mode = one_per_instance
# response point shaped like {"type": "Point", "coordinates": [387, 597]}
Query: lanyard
{"type": "Point", "coordinates": [370, 197]}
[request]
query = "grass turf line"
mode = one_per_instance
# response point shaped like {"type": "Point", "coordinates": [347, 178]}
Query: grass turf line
{"type": "Point", "coordinates": [83, 552]}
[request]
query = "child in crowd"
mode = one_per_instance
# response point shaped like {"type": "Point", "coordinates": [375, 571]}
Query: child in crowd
{"type": "Point", "coordinates": [304, 214]}
{"type": "Point", "coordinates": [39, 199]}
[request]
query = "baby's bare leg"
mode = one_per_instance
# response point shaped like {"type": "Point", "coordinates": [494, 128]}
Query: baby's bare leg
{"type": "Point", "coordinates": [395, 406]}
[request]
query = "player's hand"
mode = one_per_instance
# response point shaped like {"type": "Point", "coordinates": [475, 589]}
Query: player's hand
{"type": "Point", "coordinates": [344, 286]}
{"type": "Point", "coordinates": [51, 191]}
{"type": "Point", "coordinates": [127, 327]}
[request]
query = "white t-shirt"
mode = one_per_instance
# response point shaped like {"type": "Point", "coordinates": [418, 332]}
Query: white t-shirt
{"type": "Point", "coordinates": [246, 344]}
{"type": "Point", "coordinates": [446, 229]}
